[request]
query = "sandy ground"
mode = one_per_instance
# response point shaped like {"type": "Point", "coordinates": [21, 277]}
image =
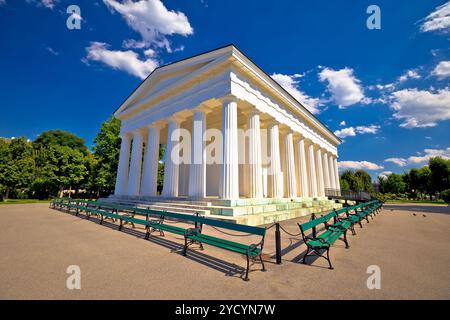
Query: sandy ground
{"type": "Point", "coordinates": [411, 245]}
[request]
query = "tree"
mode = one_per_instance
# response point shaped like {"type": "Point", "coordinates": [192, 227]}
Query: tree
{"type": "Point", "coordinates": [424, 181]}
{"type": "Point", "coordinates": [446, 196]}
{"type": "Point", "coordinates": [395, 184]}
{"type": "Point", "coordinates": [349, 177]}
{"type": "Point", "coordinates": [16, 166]}
{"type": "Point", "coordinates": [440, 174]}
{"type": "Point", "coordinates": [106, 157]}
{"type": "Point", "coordinates": [60, 138]}
{"type": "Point", "coordinates": [364, 181]}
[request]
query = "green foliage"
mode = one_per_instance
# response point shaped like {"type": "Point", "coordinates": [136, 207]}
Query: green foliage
{"type": "Point", "coordinates": [106, 157]}
{"type": "Point", "coordinates": [427, 182]}
{"type": "Point", "coordinates": [356, 181]}
{"type": "Point", "coordinates": [60, 138]}
{"type": "Point", "coordinates": [394, 184]}
{"type": "Point", "coordinates": [445, 195]}
{"type": "Point", "coordinates": [440, 173]}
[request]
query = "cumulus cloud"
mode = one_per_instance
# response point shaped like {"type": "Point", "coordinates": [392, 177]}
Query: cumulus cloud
{"type": "Point", "coordinates": [290, 84]}
{"type": "Point", "coordinates": [152, 20]}
{"type": "Point", "coordinates": [128, 61]}
{"type": "Point", "coordinates": [420, 108]}
{"type": "Point", "coordinates": [421, 157]}
{"type": "Point", "coordinates": [442, 70]}
{"type": "Point", "coordinates": [343, 123]}
{"type": "Point", "coordinates": [438, 20]}
{"type": "Point", "coordinates": [344, 87]}
{"type": "Point", "coordinates": [353, 131]}
{"type": "Point", "coordinates": [398, 161]}
{"type": "Point", "coordinates": [430, 153]}
{"type": "Point", "coordinates": [409, 74]}
{"type": "Point", "coordinates": [357, 165]}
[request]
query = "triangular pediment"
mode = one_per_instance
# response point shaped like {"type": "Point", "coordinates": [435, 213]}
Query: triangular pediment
{"type": "Point", "coordinates": [172, 74]}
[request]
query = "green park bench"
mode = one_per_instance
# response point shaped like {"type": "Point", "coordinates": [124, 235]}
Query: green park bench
{"type": "Point", "coordinates": [324, 238]}
{"type": "Point", "coordinates": [252, 251]}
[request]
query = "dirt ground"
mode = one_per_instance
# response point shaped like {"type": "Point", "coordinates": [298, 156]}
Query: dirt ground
{"type": "Point", "coordinates": [409, 243]}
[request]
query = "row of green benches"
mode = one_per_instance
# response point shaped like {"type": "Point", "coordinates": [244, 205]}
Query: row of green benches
{"type": "Point", "coordinates": [342, 220]}
{"type": "Point", "coordinates": [155, 220]}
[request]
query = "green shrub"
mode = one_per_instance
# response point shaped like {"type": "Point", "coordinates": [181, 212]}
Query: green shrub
{"type": "Point", "coordinates": [445, 195]}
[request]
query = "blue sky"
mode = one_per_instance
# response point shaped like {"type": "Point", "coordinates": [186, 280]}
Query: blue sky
{"type": "Point", "coordinates": [384, 92]}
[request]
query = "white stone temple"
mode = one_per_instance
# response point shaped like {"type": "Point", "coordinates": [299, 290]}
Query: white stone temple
{"type": "Point", "coordinates": [256, 154]}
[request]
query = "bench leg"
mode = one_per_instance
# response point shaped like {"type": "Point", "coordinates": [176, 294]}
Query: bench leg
{"type": "Point", "coordinates": [304, 257]}
{"type": "Point", "coordinates": [262, 262]}
{"type": "Point", "coordinates": [246, 271]}
{"type": "Point", "coordinates": [121, 225]}
{"type": "Point", "coordinates": [184, 252]}
{"type": "Point", "coordinates": [360, 224]}
{"type": "Point", "coordinates": [345, 240]}
{"type": "Point", "coordinates": [352, 227]}
{"type": "Point", "coordinates": [101, 220]}
{"type": "Point", "coordinates": [147, 232]}
{"type": "Point", "coordinates": [328, 258]}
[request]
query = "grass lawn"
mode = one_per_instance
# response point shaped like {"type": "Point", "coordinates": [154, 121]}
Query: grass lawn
{"type": "Point", "coordinates": [19, 201]}
{"type": "Point", "coordinates": [441, 202]}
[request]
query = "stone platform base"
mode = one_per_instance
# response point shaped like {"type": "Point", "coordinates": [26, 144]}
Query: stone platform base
{"type": "Point", "coordinates": [251, 212]}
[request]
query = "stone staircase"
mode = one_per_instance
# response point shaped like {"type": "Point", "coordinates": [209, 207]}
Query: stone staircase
{"type": "Point", "coordinates": [244, 211]}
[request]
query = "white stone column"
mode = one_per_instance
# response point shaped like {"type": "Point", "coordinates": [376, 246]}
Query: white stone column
{"type": "Point", "coordinates": [319, 169]}
{"type": "Point", "coordinates": [303, 173]}
{"type": "Point", "coordinates": [171, 160]}
{"type": "Point", "coordinates": [326, 171]}
{"type": "Point", "coordinates": [151, 159]}
{"type": "Point", "coordinates": [229, 176]}
{"type": "Point", "coordinates": [291, 181]}
{"type": "Point", "coordinates": [336, 174]}
{"type": "Point", "coordinates": [312, 171]}
{"type": "Point", "coordinates": [331, 172]}
{"type": "Point", "coordinates": [276, 176]}
{"type": "Point", "coordinates": [197, 168]}
{"type": "Point", "coordinates": [122, 169]}
{"type": "Point", "coordinates": [134, 176]}
{"type": "Point", "coordinates": [254, 156]}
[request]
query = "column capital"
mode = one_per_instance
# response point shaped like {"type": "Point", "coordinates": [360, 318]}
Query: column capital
{"type": "Point", "coordinates": [156, 125]}
{"type": "Point", "coordinates": [126, 135]}
{"type": "Point", "coordinates": [230, 98]}
{"type": "Point", "coordinates": [138, 132]}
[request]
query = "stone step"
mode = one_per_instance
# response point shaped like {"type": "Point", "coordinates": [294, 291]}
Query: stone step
{"type": "Point", "coordinates": [191, 209]}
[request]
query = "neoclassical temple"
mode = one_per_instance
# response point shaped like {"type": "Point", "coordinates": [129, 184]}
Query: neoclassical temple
{"type": "Point", "coordinates": [268, 147]}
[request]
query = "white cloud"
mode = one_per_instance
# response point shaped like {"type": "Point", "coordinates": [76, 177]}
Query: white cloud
{"type": "Point", "coordinates": [52, 51]}
{"type": "Point", "coordinates": [290, 84]}
{"type": "Point", "coordinates": [438, 20]}
{"type": "Point", "coordinates": [346, 132]}
{"type": "Point", "coordinates": [357, 165]}
{"type": "Point", "coordinates": [419, 108]}
{"type": "Point", "coordinates": [442, 70]}
{"type": "Point", "coordinates": [50, 4]}
{"type": "Point", "coordinates": [384, 174]}
{"type": "Point", "coordinates": [343, 123]}
{"type": "Point", "coordinates": [409, 74]}
{"type": "Point", "coordinates": [421, 157]}
{"type": "Point", "coordinates": [152, 20]}
{"type": "Point", "coordinates": [430, 153]}
{"type": "Point", "coordinates": [401, 162]}
{"type": "Point", "coordinates": [344, 87]}
{"type": "Point", "coordinates": [2, 2]}
{"type": "Point", "coordinates": [122, 60]}
{"type": "Point", "coordinates": [353, 131]}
